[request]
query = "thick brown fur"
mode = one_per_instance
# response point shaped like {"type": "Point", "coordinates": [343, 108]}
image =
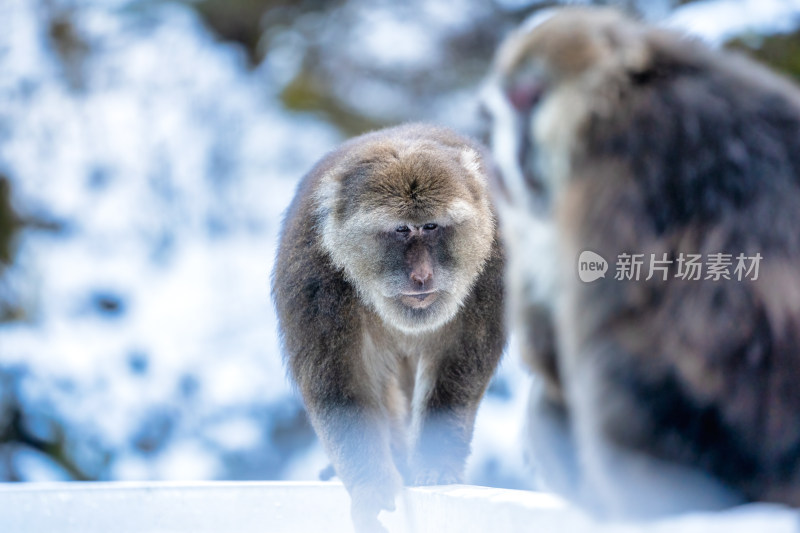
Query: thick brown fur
{"type": "Point", "coordinates": [640, 140]}
{"type": "Point", "coordinates": [391, 387]}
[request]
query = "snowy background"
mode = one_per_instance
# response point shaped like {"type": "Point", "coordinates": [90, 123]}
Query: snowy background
{"type": "Point", "coordinates": [147, 152]}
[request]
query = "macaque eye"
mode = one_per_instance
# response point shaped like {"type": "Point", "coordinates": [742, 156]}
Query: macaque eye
{"type": "Point", "coordinates": [430, 226]}
{"type": "Point", "coordinates": [402, 229]}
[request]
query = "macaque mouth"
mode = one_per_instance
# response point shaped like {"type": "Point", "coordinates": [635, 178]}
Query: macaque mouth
{"type": "Point", "coordinates": [418, 300]}
{"type": "Point", "coordinates": [418, 295]}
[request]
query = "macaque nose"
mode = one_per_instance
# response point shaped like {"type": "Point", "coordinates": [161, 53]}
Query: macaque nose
{"type": "Point", "coordinates": [421, 275]}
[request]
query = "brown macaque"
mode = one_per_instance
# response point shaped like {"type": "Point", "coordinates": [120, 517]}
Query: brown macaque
{"type": "Point", "coordinates": [389, 292]}
{"type": "Point", "coordinates": [620, 138]}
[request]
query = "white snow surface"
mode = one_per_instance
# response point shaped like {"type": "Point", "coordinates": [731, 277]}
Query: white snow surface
{"type": "Point", "coordinates": [284, 507]}
{"type": "Point", "coordinates": [170, 170]}
{"type": "Point", "coordinates": [717, 21]}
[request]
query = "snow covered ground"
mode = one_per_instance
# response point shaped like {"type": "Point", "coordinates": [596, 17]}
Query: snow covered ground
{"type": "Point", "coordinates": [286, 507]}
{"type": "Point", "coordinates": [150, 322]}
{"type": "Point", "coordinates": [150, 343]}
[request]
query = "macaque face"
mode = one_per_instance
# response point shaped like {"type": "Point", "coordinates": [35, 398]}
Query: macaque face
{"type": "Point", "coordinates": [415, 257]}
{"type": "Point", "coordinates": [548, 81]}
{"type": "Point", "coordinates": [411, 234]}
{"type": "Point", "coordinates": [416, 275]}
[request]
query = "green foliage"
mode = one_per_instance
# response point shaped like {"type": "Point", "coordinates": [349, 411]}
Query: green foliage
{"type": "Point", "coordinates": [246, 21]}
{"type": "Point", "coordinates": [307, 93]}
{"type": "Point", "coordinates": [8, 222]}
{"type": "Point", "coordinates": [781, 52]}
{"type": "Point", "coordinates": [9, 226]}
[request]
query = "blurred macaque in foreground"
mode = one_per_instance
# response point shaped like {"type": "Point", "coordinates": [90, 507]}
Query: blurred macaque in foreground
{"type": "Point", "coordinates": [663, 390]}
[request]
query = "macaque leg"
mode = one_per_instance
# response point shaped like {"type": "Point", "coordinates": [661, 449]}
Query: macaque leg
{"type": "Point", "coordinates": [448, 419]}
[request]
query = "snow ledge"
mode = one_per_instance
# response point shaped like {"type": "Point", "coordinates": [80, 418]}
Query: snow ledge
{"type": "Point", "coordinates": [276, 507]}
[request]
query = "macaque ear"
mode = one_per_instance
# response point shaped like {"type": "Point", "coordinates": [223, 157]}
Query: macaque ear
{"type": "Point", "coordinates": [631, 49]}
